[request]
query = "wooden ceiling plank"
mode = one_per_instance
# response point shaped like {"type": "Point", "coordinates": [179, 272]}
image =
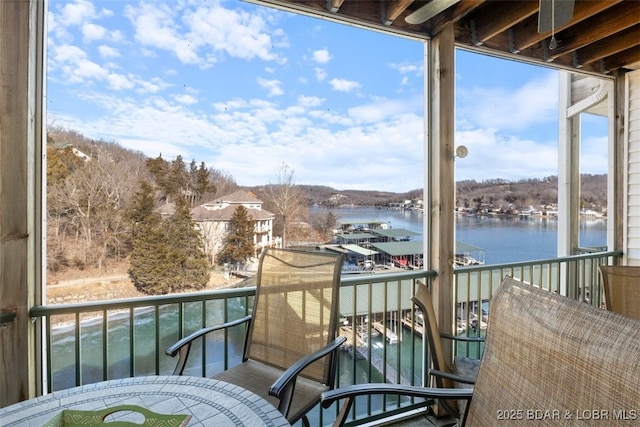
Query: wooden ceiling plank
{"type": "Point", "coordinates": [395, 8]}
{"type": "Point", "coordinates": [610, 46]}
{"type": "Point", "coordinates": [454, 14]}
{"type": "Point", "coordinates": [489, 24]}
{"type": "Point", "coordinates": [623, 59]}
{"type": "Point", "coordinates": [597, 28]}
{"type": "Point", "coordinates": [524, 37]}
{"type": "Point", "coordinates": [334, 5]}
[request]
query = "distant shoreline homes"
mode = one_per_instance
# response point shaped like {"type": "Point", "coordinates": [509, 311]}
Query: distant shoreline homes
{"type": "Point", "coordinates": [549, 211]}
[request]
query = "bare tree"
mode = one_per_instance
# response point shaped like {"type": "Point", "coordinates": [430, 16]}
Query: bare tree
{"type": "Point", "coordinates": [285, 198]}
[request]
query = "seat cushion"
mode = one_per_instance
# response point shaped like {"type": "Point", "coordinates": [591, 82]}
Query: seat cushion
{"type": "Point", "coordinates": [257, 377]}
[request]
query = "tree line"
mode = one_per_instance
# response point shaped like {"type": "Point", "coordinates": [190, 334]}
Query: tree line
{"type": "Point", "coordinates": [102, 203]}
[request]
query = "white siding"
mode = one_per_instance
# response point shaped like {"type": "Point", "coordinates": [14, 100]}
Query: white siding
{"type": "Point", "coordinates": [632, 143]}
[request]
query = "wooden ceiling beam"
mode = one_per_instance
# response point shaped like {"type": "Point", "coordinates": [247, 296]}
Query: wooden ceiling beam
{"type": "Point", "coordinates": [395, 8]}
{"type": "Point", "coordinates": [610, 46]}
{"type": "Point", "coordinates": [525, 34]}
{"type": "Point", "coordinates": [597, 28]}
{"type": "Point", "coordinates": [623, 59]}
{"type": "Point", "coordinates": [333, 6]}
{"type": "Point", "coordinates": [454, 14]}
{"type": "Point", "coordinates": [488, 24]}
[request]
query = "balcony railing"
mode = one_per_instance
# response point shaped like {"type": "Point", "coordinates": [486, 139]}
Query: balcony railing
{"type": "Point", "coordinates": [96, 341]}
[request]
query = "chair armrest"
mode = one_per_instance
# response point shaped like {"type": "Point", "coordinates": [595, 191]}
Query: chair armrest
{"type": "Point", "coordinates": [453, 377]}
{"type": "Point", "coordinates": [287, 379]}
{"type": "Point", "coordinates": [184, 345]}
{"type": "Point", "coordinates": [349, 393]}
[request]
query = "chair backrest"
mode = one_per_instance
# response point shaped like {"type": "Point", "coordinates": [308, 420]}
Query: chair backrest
{"type": "Point", "coordinates": [422, 299]}
{"type": "Point", "coordinates": [555, 360]}
{"type": "Point", "coordinates": [295, 309]}
{"type": "Point", "coordinates": [621, 289]}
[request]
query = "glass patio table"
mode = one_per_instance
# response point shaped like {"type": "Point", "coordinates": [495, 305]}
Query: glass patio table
{"type": "Point", "coordinates": [207, 402]}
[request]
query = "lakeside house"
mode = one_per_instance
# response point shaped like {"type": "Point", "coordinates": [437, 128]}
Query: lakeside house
{"type": "Point", "coordinates": [213, 220]}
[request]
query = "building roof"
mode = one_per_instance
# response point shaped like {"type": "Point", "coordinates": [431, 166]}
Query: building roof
{"type": "Point", "coordinates": [200, 213]}
{"type": "Point", "coordinates": [400, 248]}
{"type": "Point", "coordinates": [354, 236]}
{"type": "Point", "coordinates": [359, 250]}
{"type": "Point", "coordinates": [396, 232]}
{"type": "Point", "coordinates": [237, 197]}
{"type": "Point", "coordinates": [415, 247]}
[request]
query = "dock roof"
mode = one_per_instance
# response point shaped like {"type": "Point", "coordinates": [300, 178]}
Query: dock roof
{"type": "Point", "coordinates": [396, 232]}
{"type": "Point", "coordinates": [360, 250]}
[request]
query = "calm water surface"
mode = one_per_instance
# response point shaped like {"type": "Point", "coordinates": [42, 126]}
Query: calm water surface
{"type": "Point", "coordinates": [504, 239]}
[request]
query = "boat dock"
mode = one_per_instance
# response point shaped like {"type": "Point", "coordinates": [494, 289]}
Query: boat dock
{"type": "Point", "coordinates": [360, 350]}
{"type": "Point", "coordinates": [392, 337]}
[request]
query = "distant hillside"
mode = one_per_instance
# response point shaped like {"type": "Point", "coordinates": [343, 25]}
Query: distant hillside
{"type": "Point", "coordinates": [529, 192]}
{"type": "Point", "coordinates": [471, 194]}
{"type": "Point", "coordinates": [497, 192]}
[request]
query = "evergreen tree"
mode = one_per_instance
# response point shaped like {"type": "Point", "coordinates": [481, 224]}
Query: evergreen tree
{"type": "Point", "coordinates": [238, 245]}
{"type": "Point", "coordinates": [141, 207]}
{"type": "Point", "coordinates": [168, 255]}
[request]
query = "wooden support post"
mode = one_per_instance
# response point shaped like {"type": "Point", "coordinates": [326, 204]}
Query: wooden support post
{"type": "Point", "coordinates": [439, 185]}
{"type": "Point", "coordinates": [21, 82]}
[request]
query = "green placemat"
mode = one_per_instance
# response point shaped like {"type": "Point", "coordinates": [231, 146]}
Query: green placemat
{"type": "Point", "coordinates": [75, 418]}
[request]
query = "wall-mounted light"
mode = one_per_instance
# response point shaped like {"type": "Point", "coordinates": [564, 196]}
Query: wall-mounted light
{"type": "Point", "coordinates": [461, 152]}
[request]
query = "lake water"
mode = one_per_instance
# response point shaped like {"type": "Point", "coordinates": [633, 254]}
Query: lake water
{"type": "Point", "coordinates": [504, 239]}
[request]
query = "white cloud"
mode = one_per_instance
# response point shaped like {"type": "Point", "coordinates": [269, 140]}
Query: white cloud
{"type": "Point", "coordinates": [108, 52]}
{"type": "Point", "coordinates": [494, 156]}
{"type": "Point", "coordinates": [321, 56]}
{"type": "Point", "coordinates": [67, 53]}
{"type": "Point", "coordinates": [93, 32]}
{"type": "Point", "coordinates": [406, 68]}
{"type": "Point", "coordinates": [321, 74]}
{"type": "Point", "coordinates": [310, 101]}
{"type": "Point", "coordinates": [76, 13]}
{"type": "Point", "coordinates": [186, 99]}
{"type": "Point", "coordinates": [119, 82]}
{"type": "Point", "coordinates": [529, 105]}
{"type": "Point", "coordinates": [273, 86]}
{"type": "Point", "coordinates": [155, 26]}
{"type": "Point", "coordinates": [83, 70]}
{"type": "Point", "coordinates": [342, 85]}
{"type": "Point", "coordinates": [203, 35]}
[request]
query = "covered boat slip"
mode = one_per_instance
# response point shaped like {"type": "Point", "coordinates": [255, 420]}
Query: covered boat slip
{"type": "Point", "coordinates": [405, 254]}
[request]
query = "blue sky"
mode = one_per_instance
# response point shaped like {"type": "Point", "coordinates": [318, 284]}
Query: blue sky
{"type": "Point", "coordinates": [246, 88]}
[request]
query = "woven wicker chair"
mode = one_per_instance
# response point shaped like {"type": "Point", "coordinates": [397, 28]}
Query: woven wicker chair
{"type": "Point", "coordinates": [622, 289]}
{"type": "Point", "coordinates": [547, 361]}
{"type": "Point", "coordinates": [290, 348]}
{"type": "Point", "coordinates": [464, 370]}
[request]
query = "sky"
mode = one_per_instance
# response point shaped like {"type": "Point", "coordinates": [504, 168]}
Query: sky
{"type": "Point", "coordinates": [247, 88]}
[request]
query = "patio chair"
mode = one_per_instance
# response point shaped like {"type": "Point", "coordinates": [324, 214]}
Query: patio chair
{"type": "Point", "coordinates": [621, 289]}
{"type": "Point", "coordinates": [290, 348]}
{"type": "Point", "coordinates": [463, 372]}
{"type": "Point", "coordinates": [548, 360]}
